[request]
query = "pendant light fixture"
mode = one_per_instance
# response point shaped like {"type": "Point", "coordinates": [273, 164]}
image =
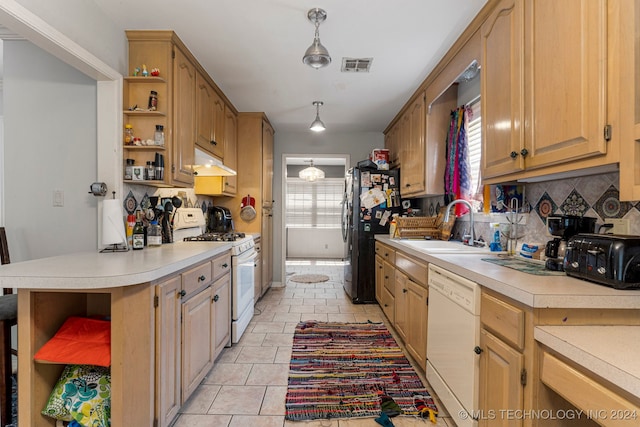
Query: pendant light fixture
{"type": "Point", "coordinates": [311, 173]}
{"type": "Point", "coordinates": [317, 56]}
{"type": "Point", "coordinates": [317, 125]}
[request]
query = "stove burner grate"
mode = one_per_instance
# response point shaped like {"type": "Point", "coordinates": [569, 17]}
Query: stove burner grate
{"type": "Point", "coordinates": [215, 237]}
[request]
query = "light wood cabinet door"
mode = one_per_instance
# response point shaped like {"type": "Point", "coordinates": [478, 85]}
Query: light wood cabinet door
{"type": "Point", "coordinates": [500, 388]}
{"type": "Point", "coordinates": [566, 80]}
{"type": "Point", "coordinates": [401, 309]}
{"type": "Point", "coordinates": [438, 121]}
{"type": "Point", "coordinates": [184, 119]}
{"type": "Point", "coordinates": [168, 339]}
{"type": "Point", "coordinates": [379, 266]}
{"type": "Point", "coordinates": [413, 173]}
{"type": "Point", "coordinates": [417, 315]}
{"type": "Point", "coordinates": [221, 314]}
{"type": "Point", "coordinates": [204, 116]}
{"type": "Point", "coordinates": [407, 176]}
{"type": "Point", "coordinates": [197, 340]}
{"type": "Point", "coordinates": [502, 77]}
{"type": "Point", "coordinates": [230, 183]}
{"type": "Point", "coordinates": [267, 164]}
{"type": "Point", "coordinates": [219, 120]}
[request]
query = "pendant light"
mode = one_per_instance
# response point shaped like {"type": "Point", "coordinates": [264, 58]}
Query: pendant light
{"type": "Point", "coordinates": [317, 56]}
{"type": "Point", "coordinates": [311, 173]}
{"type": "Point", "coordinates": [317, 125]}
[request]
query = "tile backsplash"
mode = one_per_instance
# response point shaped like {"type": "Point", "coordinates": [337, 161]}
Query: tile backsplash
{"type": "Point", "coordinates": [136, 196]}
{"type": "Point", "coordinates": [592, 196]}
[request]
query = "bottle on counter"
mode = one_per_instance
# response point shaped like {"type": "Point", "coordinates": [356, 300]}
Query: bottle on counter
{"type": "Point", "coordinates": [150, 171]}
{"type": "Point", "coordinates": [154, 234]}
{"type": "Point", "coordinates": [138, 235]}
{"type": "Point", "coordinates": [131, 222]}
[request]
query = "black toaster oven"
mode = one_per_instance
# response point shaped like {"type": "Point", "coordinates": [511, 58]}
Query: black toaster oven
{"type": "Point", "coordinates": [608, 259]}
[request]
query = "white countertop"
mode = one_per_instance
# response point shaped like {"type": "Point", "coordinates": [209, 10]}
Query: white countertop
{"type": "Point", "coordinates": [610, 352]}
{"type": "Point", "coordinates": [94, 270]}
{"type": "Point", "coordinates": [529, 289]}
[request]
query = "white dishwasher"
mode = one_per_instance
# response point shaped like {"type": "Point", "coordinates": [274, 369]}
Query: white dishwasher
{"type": "Point", "coordinates": [453, 332]}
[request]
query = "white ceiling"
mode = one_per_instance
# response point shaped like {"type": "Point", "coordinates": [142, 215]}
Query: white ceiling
{"type": "Point", "coordinates": [253, 50]}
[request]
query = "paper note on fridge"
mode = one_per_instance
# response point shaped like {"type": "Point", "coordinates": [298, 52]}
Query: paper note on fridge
{"type": "Point", "coordinates": [372, 198]}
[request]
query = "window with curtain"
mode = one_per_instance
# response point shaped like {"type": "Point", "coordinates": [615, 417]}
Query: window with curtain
{"type": "Point", "coordinates": [474, 138]}
{"type": "Point", "coordinates": [315, 204]}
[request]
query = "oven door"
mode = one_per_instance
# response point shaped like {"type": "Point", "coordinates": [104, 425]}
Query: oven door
{"type": "Point", "coordinates": [243, 267]}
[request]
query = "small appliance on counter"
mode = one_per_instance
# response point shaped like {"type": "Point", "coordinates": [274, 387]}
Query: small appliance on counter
{"type": "Point", "coordinates": [564, 227]}
{"type": "Point", "coordinates": [608, 259]}
{"type": "Point", "coordinates": [219, 220]}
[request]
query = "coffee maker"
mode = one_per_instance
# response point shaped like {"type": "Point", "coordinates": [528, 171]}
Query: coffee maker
{"type": "Point", "coordinates": [563, 227]}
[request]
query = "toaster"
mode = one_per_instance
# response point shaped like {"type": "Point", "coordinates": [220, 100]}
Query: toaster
{"type": "Point", "coordinates": [607, 259]}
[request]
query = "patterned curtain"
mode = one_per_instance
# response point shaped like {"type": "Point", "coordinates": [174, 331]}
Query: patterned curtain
{"type": "Point", "coordinates": [457, 176]}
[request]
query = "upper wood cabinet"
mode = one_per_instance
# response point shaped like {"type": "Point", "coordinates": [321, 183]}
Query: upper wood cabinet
{"type": "Point", "coordinates": [192, 109]}
{"type": "Point", "coordinates": [502, 89]}
{"type": "Point", "coordinates": [209, 128]}
{"type": "Point", "coordinates": [184, 119]}
{"type": "Point", "coordinates": [550, 58]}
{"type": "Point", "coordinates": [625, 32]}
{"type": "Point", "coordinates": [412, 176]}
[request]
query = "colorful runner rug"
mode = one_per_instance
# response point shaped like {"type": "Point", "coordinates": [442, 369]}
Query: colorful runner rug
{"type": "Point", "coordinates": [345, 370]}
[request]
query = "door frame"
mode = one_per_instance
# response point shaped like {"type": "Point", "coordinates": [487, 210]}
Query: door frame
{"type": "Point", "coordinates": [283, 216]}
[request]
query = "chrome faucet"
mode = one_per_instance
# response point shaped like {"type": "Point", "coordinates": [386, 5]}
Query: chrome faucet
{"type": "Point", "coordinates": [472, 240]}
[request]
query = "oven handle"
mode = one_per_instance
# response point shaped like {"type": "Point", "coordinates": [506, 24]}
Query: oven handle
{"type": "Point", "coordinates": [247, 256]}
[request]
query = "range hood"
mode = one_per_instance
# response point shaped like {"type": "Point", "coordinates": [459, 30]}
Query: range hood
{"type": "Point", "coordinates": [207, 165]}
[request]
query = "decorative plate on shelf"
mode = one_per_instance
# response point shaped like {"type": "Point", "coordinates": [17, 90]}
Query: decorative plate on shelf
{"type": "Point", "coordinates": [130, 203]}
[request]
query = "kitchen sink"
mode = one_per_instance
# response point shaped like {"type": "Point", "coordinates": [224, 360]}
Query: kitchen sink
{"type": "Point", "coordinates": [444, 247]}
{"type": "Point", "coordinates": [523, 265]}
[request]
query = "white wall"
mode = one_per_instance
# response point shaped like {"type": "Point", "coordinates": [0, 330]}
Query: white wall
{"type": "Point", "coordinates": [358, 145]}
{"type": "Point", "coordinates": [324, 243]}
{"type": "Point", "coordinates": [84, 23]}
{"type": "Point", "coordinates": [50, 144]}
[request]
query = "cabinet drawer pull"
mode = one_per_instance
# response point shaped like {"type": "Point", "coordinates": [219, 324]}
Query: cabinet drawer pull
{"type": "Point", "coordinates": [225, 265]}
{"type": "Point", "coordinates": [212, 142]}
{"type": "Point", "coordinates": [404, 291]}
{"type": "Point", "coordinates": [513, 154]}
{"type": "Point", "coordinates": [477, 350]}
{"type": "Point", "coordinates": [183, 293]}
{"type": "Point", "coordinates": [202, 278]}
{"type": "Point", "coordinates": [216, 298]}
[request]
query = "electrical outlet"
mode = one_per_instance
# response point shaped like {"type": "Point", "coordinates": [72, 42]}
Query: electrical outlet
{"type": "Point", "coordinates": [620, 226]}
{"type": "Point", "coordinates": [58, 198]}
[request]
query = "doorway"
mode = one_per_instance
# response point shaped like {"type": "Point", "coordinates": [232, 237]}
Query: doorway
{"type": "Point", "coordinates": [312, 238]}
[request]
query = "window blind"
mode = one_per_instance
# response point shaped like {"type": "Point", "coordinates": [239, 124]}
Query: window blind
{"type": "Point", "coordinates": [315, 204]}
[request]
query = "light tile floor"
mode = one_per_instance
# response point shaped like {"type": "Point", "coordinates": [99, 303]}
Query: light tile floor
{"type": "Point", "coordinates": [248, 383]}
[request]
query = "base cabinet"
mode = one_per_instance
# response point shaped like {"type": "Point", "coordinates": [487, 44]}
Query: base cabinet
{"type": "Point", "coordinates": [193, 325]}
{"type": "Point", "coordinates": [168, 339]}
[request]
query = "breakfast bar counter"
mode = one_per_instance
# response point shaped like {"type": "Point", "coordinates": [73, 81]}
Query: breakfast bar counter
{"type": "Point", "coordinates": [125, 288]}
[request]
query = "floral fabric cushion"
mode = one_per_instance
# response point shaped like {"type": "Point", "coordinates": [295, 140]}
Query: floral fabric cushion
{"type": "Point", "coordinates": [83, 394]}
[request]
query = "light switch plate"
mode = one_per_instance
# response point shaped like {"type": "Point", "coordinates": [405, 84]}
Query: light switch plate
{"type": "Point", "coordinates": [58, 198]}
{"type": "Point", "coordinates": [620, 226]}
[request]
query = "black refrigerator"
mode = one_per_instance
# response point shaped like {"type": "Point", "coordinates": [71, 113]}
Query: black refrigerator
{"type": "Point", "coordinates": [371, 197]}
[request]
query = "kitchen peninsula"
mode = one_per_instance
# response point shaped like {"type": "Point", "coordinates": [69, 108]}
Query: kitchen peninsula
{"type": "Point", "coordinates": [543, 342]}
{"type": "Point", "coordinates": [127, 288]}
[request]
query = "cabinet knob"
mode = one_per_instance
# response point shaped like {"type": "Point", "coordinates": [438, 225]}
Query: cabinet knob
{"type": "Point", "coordinates": [386, 277]}
{"type": "Point", "coordinates": [404, 291]}
{"type": "Point", "coordinates": [524, 152]}
{"type": "Point", "coordinates": [216, 298]}
{"type": "Point", "coordinates": [183, 293]}
{"type": "Point", "coordinates": [513, 154]}
{"type": "Point", "coordinates": [407, 185]}
{"type": "Point", "coordinates": [225, 265]}
{"type": "Point", "coordinates": [477, 350]}
{"type": "Point", "coordinates": [202, 278]}
{"type": "Point", "coordinates": [213, 142]}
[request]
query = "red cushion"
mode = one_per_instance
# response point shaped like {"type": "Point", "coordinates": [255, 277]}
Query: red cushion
{"type": "Point", "coordinates": [79, 341]}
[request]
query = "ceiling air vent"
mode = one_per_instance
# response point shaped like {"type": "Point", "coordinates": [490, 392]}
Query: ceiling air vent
{"type": "Point", "coordinates": [356, 65]}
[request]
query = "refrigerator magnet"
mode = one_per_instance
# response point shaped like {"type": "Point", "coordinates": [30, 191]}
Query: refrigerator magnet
{"type": "Point", "coordinates": [392, 181]}
{"type": "Point", "coordinates": [365, 179]}
{"type": "Point", "coordinates": [385, 218]}
{"type": "Point", "coordinates": [378, 214]}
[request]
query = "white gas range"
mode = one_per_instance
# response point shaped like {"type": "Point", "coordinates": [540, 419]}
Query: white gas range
{"type": "Point", "coordinates": [189, 224]}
